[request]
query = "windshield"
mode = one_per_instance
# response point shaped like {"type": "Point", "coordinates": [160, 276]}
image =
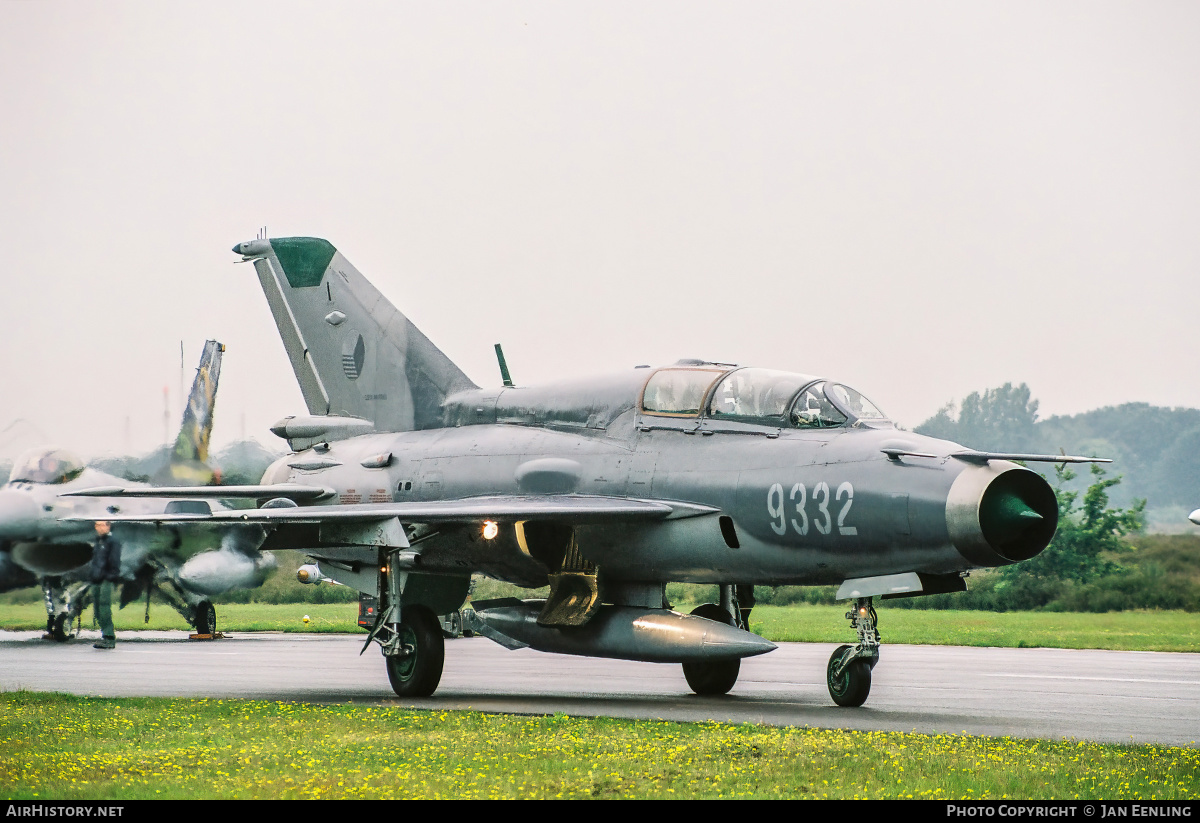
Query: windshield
{"type": "Point", "coordinates": [46, 466]}
{"type": "Point", "coordinates": [853, 403]}
{"type": "Point", "coordinates": [756, 396]}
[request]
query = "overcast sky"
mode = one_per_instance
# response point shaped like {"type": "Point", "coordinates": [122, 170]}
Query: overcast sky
{"type": "Point", "coordinates": [919, 199]}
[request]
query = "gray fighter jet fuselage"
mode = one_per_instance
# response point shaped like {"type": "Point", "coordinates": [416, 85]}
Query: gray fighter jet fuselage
{"type": "Point", "coordinates": [406, 477]}
{"type": "Point", "coordinates": [801, 506]}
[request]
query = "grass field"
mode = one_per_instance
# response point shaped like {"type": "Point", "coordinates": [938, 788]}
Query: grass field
{"type": "Point", "coordinates": [1136, 631]}
{"type": "Point", "coordinates": [63, 747]}
{"type": "Point", "coordinates": [241, 617]}
{"type": "Point", "coordinates": [1131, 631]}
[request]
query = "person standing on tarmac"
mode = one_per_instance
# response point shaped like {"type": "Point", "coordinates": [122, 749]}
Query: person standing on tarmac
{"type": "Point", "coordinates": [106, 570]}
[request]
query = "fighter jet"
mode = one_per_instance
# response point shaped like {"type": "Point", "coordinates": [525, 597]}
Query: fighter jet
{"type": "Point", "coordinates": [406, 477]}
{"type": "Point", "coordinates": [186, 567]}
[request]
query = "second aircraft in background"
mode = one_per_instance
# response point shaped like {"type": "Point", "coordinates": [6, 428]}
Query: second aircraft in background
{"type": "Point", "coordinates": [186, 567]}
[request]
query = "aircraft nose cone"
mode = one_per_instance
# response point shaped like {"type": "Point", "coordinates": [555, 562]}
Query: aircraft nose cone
{"type": "Point", "coordinates": [18, 515]}
{"type": "Point", "coordinates": [1195, 517]}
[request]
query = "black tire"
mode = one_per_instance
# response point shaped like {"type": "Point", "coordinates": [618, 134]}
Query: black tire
{"type": "Point", "coordinates": [418, 674]}
{"type": "Point", "coordinates": [709, 677]}
{"type": "Point", "coordinates": [854, 684]}
{"type": "Point", "coordinates": [206, 618]}
{"type": "Point", "coordinates": [60, 628]}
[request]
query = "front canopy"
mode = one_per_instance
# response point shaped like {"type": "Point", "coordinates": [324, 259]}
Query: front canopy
{"type": "Point", "coordinates": [46, 466]}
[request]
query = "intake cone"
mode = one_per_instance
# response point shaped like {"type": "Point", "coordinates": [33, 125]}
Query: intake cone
{"type": "Point", "coordinates": [1000, 514]}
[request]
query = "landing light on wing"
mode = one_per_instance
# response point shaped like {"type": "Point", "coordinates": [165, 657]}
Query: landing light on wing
{"type": "Point", "coordinates": [490, 530]}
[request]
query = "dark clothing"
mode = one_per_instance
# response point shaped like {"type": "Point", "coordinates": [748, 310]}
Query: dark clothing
{"type": "Point", "coordinates": [106, 570]}
{"type": "Point", "coordinates": [102, 608]}
{"type": "Point", "coordinates": [106, 560]}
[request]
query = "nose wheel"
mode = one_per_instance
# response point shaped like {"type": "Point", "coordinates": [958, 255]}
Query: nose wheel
{"type": "Point", "coordinates": [59, 628]}
{"type": "Point", "coordinates": [848, 674]}
{"type": "Point", "coordinates": [63, 605]}
{"type": "Point", "coordinates": [849, 682]}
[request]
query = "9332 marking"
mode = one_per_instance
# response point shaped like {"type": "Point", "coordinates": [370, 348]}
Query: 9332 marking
{"type": "Point", "coordinates": [795, 510]}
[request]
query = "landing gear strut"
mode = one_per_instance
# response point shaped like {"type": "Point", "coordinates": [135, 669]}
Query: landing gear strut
{"type": "Point", "coordinates": [414, 649]}
{"type": "Point", "coordinates": [63, 605]}
{"type": "Point", "coordinates": [848, 674]}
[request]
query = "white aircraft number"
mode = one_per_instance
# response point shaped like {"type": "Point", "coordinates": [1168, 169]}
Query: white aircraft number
{"type": "Point", "coordinates": [781, 513]}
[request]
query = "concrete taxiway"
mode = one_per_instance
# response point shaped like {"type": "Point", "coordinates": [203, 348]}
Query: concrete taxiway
{"type": "Point", "coordinates": [1144, 697]}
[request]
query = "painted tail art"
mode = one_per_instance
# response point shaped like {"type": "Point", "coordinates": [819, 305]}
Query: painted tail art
{"type": "Point", "coordinates": [188, 464]}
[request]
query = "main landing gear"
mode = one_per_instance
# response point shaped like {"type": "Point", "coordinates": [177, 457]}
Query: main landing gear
{"type": "Point", "coordinates": [849, 671]}
{"type": "Point", "coordinates": [712, 676]}
{"type": "Point", "coordinates": [415, 653]}
{"type": "Point", "coordinates": [163, 580]}
{"type": "Point", "coordinates": [206, 618]}
{"type": "Point", "coordinates": [414, 649]}
{"type": "Point", "coordinates": [709, 677]}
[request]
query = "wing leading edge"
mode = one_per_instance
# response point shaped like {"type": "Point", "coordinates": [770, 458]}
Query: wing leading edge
{"type": "Point", "coordinates": [289, 490]}
{"type": "Point", "coordinates": [576, 509]}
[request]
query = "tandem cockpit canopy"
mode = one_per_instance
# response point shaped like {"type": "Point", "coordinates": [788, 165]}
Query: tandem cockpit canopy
{"type": "Point", "coordinates": [46, 466]}
{"type": "Point", "coordinates": [751, 395]}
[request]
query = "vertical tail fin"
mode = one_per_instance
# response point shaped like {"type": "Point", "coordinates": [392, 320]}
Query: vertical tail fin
{"type": "Point", "coordinates": [188, 462]}
{"type": "Point", "coordinates": [353, 353]}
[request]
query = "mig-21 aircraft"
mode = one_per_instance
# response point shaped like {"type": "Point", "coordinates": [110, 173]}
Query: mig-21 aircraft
{"type": "Point", "coordinates": [406, 478]}
{"type": "Point", "coordinates": [38, 543]}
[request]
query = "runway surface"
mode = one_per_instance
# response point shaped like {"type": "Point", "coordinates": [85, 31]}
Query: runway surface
{"type": "Point", "coordinates": [1144, 697]}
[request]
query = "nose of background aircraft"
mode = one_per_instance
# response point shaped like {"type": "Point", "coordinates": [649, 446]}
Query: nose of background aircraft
{"type": "Point", "coordinates": [18, 515]}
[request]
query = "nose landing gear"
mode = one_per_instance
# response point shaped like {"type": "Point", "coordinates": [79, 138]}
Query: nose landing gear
{"type": "Point", "coordinates": [848, 674]}
{"type": "Point", "coordinates": [63, 604]}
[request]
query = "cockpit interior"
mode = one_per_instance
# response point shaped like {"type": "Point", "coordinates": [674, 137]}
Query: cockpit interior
{"type": "Point", "coordinates": [44, 465]}
{"type": "Point", "coordinates": [751, 395]}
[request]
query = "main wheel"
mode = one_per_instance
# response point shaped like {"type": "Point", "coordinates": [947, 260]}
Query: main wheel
{"type": "Point", "coordinates": [852, 686]}
{"type": "Point", "coordinates": [206, 618]}
{"type": "Point", "coordinates": [417, 672]}
{"type": "Point", "coordinates": [712, 676]}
